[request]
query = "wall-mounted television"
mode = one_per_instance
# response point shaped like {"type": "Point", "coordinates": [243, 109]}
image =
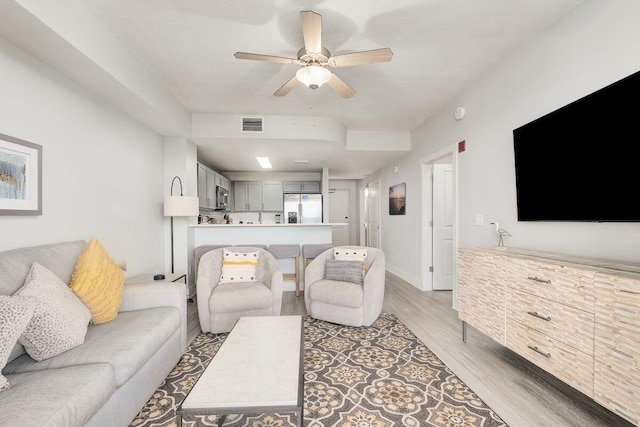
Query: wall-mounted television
{"type": "Point", "coordinates": [582, 161]}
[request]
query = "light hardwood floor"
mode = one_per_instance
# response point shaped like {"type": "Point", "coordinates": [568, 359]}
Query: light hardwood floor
{"type": "Point", "coordinates": [519, 392]}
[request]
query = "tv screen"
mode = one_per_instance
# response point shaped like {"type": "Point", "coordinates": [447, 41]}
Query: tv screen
{"type": "Point", "coordinates": [582, 161]}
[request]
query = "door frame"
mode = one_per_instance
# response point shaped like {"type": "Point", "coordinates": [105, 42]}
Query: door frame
{"type": "Point", "coordinates": [426, 194]}
{"type": "Point", "coordinates": [365, 209]}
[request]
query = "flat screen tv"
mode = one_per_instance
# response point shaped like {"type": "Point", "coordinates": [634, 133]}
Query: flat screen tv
{"type": "Point", "coordinates": [582, 161]}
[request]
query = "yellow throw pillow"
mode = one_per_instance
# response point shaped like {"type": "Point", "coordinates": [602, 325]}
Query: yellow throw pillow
{"type": "Point", "coordinates": [98, 282]}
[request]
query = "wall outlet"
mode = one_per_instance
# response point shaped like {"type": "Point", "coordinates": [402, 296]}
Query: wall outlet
{"type": "Point", "coordinates": [479, 219]}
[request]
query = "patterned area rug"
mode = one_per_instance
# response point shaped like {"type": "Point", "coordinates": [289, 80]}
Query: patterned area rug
{"type": "Point", "coordinates": [380, 376]}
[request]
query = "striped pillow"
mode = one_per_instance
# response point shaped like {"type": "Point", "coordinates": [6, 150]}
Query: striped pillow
{"type": "Point", "coordinates": [238, 267]}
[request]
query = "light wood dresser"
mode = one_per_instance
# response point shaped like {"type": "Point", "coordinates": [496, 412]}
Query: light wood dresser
{"type": "Point", "coordinates": [577, 318]}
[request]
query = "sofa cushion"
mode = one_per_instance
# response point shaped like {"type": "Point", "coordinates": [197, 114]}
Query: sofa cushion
{"type": "Point", "coordinates": [345, 294]}
{"type": "Point", "coordinates": [59, 321]}
{"type": "Point", "coordinates": [57, 397]}
{"type": "Point", "coordinates": [238, 267]}
{"type": "Point", "coordinates": [60, 258]}
{"type": "Point", "coordinates": [233, 297]}
{"type": "Point", "coordinates": [15, 314]}
{"type": "Point", "coordinates": [126, 343]}
{"type": "Point", "coordinates": [98, 282]}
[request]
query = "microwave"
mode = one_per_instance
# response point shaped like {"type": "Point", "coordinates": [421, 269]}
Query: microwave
{"type": "Point", "coordinates": [222, 198]}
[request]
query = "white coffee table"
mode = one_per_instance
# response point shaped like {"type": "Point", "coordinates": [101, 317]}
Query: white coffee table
{"type": "Point", "coordinates": [258, 369]}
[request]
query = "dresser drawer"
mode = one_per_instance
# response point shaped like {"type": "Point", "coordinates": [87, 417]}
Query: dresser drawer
{"type": "Point", "coordinates": [558, 321]}
{"type": "Point", "coordinates": [566, 285]}
{"type": "Point", "coordinates": [561, 360]}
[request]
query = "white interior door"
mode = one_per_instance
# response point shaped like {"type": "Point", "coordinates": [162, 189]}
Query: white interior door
{"type": "Point", "coordinates": [339, 212]}
{"type": "Point", "coordinates": [362, 214]}
{"type": "Point", "coordinates": [373, 208]}
{"type": "Point", "coordinates": [443, 225]}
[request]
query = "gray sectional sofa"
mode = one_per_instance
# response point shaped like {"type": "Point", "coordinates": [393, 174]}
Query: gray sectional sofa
{"type": "Point", "coordinates": [106, 380]}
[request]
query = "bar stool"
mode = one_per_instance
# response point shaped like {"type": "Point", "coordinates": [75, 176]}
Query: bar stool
{"type": "Point", "coordinates": [310, 251]}
{"type": "Point", "coordinates": [280, 251]}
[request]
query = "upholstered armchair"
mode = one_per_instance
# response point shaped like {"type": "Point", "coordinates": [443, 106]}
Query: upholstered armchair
{"type": "Point", "coordinates": [344, 301]}
{"type": "Point", "coordinates": [220, 305]}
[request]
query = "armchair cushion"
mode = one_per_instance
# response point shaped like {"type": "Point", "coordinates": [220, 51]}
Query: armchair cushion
{"type": "Point", "coordinates": [238, 267]}
{"type": "Point", "coordinates": [344, 271]}
{"type": "Point", "coordinates": [245, 296]}
{"type": "Point", "coordinates": [345, 294]}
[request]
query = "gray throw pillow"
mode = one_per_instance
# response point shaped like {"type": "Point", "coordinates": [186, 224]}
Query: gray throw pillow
{"type": "Point", "coordinates": [344, 271]}
{"type": "Point", "coordinates": [59, 320]}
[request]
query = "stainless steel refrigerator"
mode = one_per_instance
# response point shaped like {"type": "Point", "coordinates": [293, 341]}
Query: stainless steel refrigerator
{"type": "Point", "coordinates": [302, 208]}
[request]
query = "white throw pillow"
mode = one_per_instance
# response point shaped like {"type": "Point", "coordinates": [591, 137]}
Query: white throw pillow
{"type": "Point", "coordinates": [238, 267]}
{"type": "Point", "coordinates": [343, 253]}
{"type": "Point", "coordinates": [60, 319]}
{"type": "Point", "coordinates": [15, 314]}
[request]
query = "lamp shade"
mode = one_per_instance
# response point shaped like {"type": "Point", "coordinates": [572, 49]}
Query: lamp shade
{"type": "Point", "coordinates": [313, 76]}
{"type": "Point", "coordinates": [181, 206]}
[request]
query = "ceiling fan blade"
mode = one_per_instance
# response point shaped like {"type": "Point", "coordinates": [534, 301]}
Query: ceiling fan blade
{"type": "Point", "coordinates": [286, 88]}
{"type": "Point", "coordinates": [312, 31]}
{"type": "Point", "coordinates": [364, 57]}
{"type": "Point", "coordinates": [268, 58]}
{"type": "Point", "coordinates": [337, 84]}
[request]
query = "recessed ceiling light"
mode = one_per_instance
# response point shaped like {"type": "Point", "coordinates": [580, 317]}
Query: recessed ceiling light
{"type": "Point", "coordinates": [301, 162]}
{"type": "Point", "coordinates": [264, 162]}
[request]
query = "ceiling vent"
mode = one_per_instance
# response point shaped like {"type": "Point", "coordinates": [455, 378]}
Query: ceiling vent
{"type": "Point", "coordinates": [252, 124]}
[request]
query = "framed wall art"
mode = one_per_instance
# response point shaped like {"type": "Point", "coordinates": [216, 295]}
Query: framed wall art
{"type": "Point", "coordinates": [20, 177]}
{"type": "Point", "coordinates": [397, 199]}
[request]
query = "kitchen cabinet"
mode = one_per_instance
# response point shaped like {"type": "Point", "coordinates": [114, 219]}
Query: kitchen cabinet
{"type": "Point", "coordinates": [208, 179]}
{"type": "Point", "coordinates": [272, 196]}
{"type": "Point", "coordinates": [206, 187]}
{"type": "Point", "coordinates": [302, 186]}
{"type": "Point", "coordinates": [247, 196]}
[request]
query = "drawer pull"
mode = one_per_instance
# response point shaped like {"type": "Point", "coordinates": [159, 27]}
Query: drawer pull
{"type": "Point", "coordinates": [535, 314]}
{"type": "Point", "coordinates": [537, 350]}
{"type": "Point", "coordinates": [537, 279]}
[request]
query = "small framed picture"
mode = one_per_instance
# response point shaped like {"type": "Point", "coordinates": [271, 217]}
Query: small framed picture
{"type": "Point", "coordinates": [20, 177]}
{"type": "Point", "coordinates": [397, 199]}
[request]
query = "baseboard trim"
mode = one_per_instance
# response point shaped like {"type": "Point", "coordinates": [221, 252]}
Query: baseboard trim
{"type": "Point", "coordinates": [409, 278]}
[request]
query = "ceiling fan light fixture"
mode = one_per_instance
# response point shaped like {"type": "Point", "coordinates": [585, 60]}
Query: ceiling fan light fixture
{"type": "Point", "coordinates": [313, 76]}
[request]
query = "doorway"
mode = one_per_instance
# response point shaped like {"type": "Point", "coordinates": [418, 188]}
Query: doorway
{"type": "Point", "coordinates": [439, 221]}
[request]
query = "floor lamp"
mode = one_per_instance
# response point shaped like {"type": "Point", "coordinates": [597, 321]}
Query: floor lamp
{"type": "Point", "coordinates": [179, 206]}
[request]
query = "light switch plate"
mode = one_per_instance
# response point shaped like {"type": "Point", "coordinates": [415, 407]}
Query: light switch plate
{"type": "Point", "coordinates": [479, 219]}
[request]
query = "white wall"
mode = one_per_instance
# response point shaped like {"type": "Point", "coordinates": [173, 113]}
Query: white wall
{"type": "Point", "coordinates": [102, 172]}
{"type": "Point", "coordinates": [590, 48]}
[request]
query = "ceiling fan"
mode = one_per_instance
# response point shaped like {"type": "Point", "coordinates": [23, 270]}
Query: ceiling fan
{"type": "Point", "coordinates": [315, 60]}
